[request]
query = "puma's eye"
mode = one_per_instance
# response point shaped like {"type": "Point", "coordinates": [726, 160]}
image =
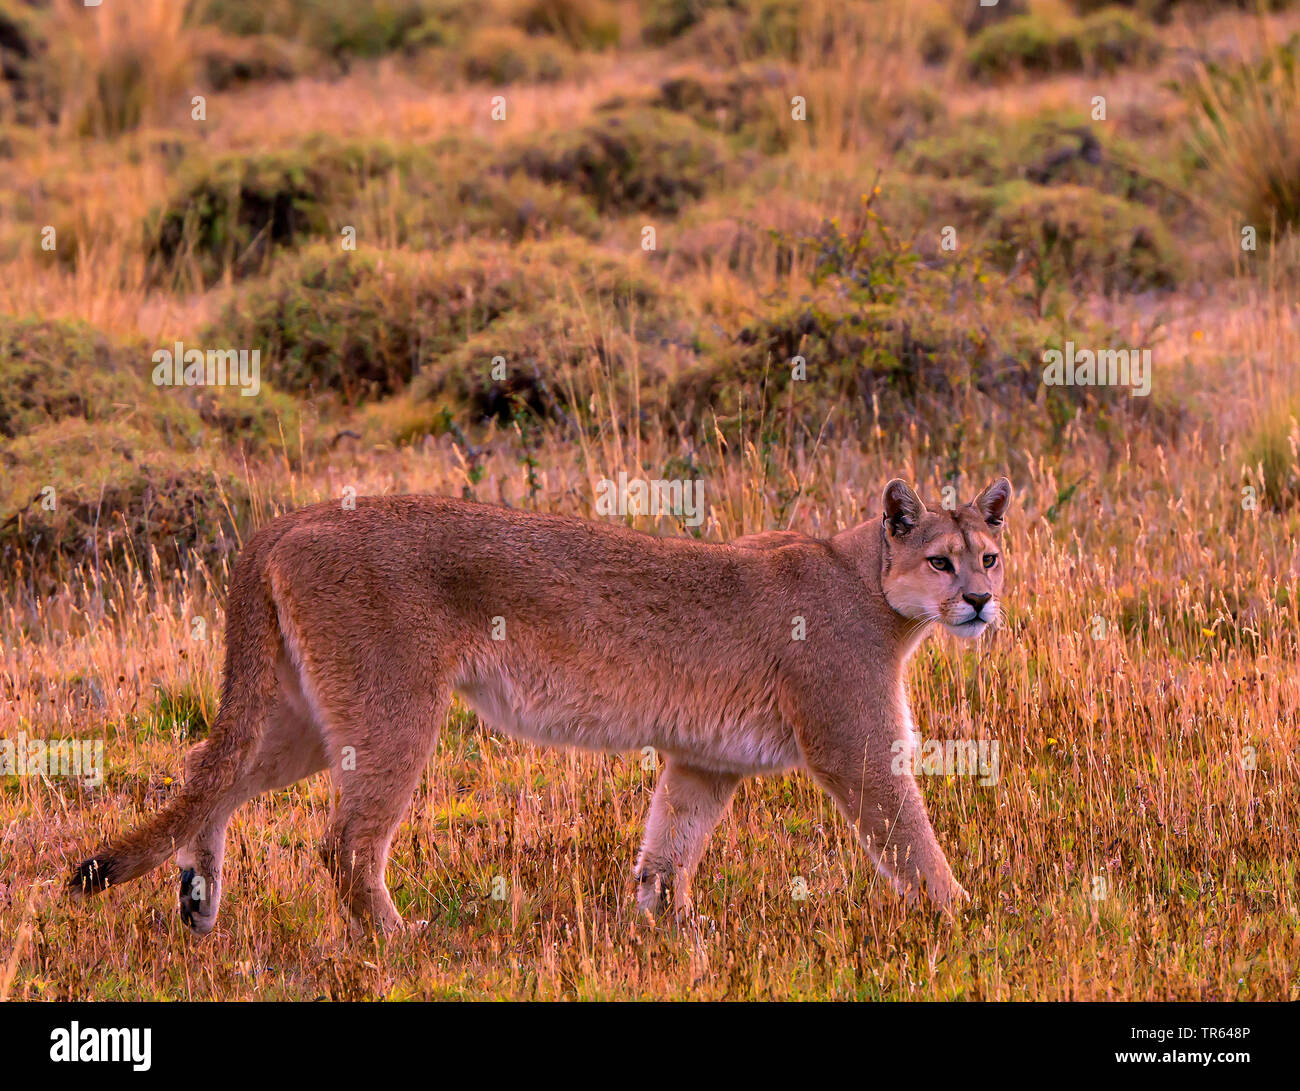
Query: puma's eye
{"type": "Point", "coordinates": [990, 559]}
{"type": "Point", "coordinates": [940, 564]}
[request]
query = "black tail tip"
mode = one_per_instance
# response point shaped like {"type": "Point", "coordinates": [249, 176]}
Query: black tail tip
{"type": "Point", "coordinates": [91, 876]}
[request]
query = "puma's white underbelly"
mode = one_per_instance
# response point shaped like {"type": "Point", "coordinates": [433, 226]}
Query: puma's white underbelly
{"type": "Point", "coordinates": [750, 745]}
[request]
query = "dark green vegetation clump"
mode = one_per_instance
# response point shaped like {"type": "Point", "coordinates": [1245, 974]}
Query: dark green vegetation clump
{"type": "Point", "coordinates": [1100, 42]}
{"type": "Point", "coordinates": [228, 60]}
{"type": "Point", "coordinates": [746, 102]}
{"type": "Point", "coordinates": [230, 213]}
{"type": "Point", "coordinates": [1162, 10]}
{"type": "Point", "coordinates": [99, 464]}
{"type": "Point", "coordinates": [364, 326]}
{"type": "Point", "coordinates": [22, 45]}
{"type": "Point", "coordinates": [337, 28]}
{"type": "Point", "coordinates": [52, 371]}
{"type": "Point", "coordinates": [628, 161]}
{"type": "Point", "coordinates": [1085, 238]}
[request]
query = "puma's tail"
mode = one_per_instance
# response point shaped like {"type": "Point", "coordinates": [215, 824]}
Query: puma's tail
{"type": "Point", "coordinates": [211, 776]}
{"type": "Point", "coordinates": [215, 767]}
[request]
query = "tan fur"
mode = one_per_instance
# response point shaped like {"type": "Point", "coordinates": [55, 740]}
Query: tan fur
{"type": "Point", "coordinates": [349, 630]}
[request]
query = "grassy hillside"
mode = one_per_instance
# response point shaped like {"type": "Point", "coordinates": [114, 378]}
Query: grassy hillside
{"type": "Point", "coordinates": [790, 249]}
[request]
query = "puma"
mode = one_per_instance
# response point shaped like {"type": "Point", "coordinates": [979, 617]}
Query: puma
{"type": "Point", "coordinates": [348, 631]}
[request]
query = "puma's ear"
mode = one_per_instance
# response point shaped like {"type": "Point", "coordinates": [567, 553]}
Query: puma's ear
{"type": "Point", "coordinates": [992, 502]}
{"type": "Point", "coordinates": [903, 508]}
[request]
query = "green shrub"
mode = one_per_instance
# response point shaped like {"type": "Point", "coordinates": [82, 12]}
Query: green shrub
{"type": "Point", "coordinates": [230, 213]}
{"type": "Point", "coordinates": [50, 371]}
{"type": "Point", "coordinates": [664, 20]}
{"type": "Point", "coordinates": [1049, 149]}
{"type": "Point", "coordinates": [362, 326]}
{"type": "Point", "coordinates": [1027, 43]}
{"type": "Point", "coordinates": [515, 207]}
{"type": "Point", "coordinates": [584, 24]}
{"type": "Point", "coordinates": [105, 492]}
{"type": "Point", "coordinates": [56, 372]}
{"type": "Point", "coordinates": [774, 29]}
{"type": "Point", "coordinates": [1111, 39]}
{"type": "Point", "coordinates": [977, 16]}
{"type": "Point", "coordinates": [95, 461]}
{"type": "Point", "coordinates": [21, 44]}
{"type": "Point", "coordinates": [352, 323]}
{"type": "Point", "coordinates": [891, 360]}
{"type": "Point", "coordinates": [626, 160]}
{"type": "Point", "coordinates": [229, 61]}
{"type": "Point", "coordinates": [600, 317]}
{"type": "Point", "coordinates": [338, 28]}
{"type": "Point", "coordinates": [987, 152]}
{"type": "Point", "coordinates": [844, 344]}
{"type": "Point", "coordinates": [1084, 238]}
{"type": "Point", "coordinates": [749, 102]}
{"type": "Point", "coordinates": [732, 32]}
{"type": "Point", "coordinates": [917, 203]}
{"type": "Point", "coordinates": [505, 55]}
{"type": "Point", "coordinates": [879, 330]}
{"type": "Point", "coordinates": [450, 191]}
{"type": "Point", "coordinates": [1039, 44]}
{"type": "Point", "coordinates": [1161, 10]}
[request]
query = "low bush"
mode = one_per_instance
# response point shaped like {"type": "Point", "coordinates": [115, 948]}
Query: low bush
{"type": "Point", "coordinates": [626, 161]}
{"type": "Point", "coordinates": [337, 28]}
{"type": "Point", "coordinates": [1084, 238]}
{"type": "Point", "coordinates": [362, 326]}
{"type": "Point", "coordinates": [501, 55]}
{"type": "Point", "coordinates": [1040, 44]}
{"type": "Point", "coordinates": [96, 463]}
{"type": "Point", "coordinates": [227, 60]}
{"type": "Point", "coordinates": [584, 24]}
{"type": "Point", "coordinates": [105, 493]}
{"type": "Point", "coordinates": [21, 44]}
{"type": "Point", "coordinates": [230, 213]}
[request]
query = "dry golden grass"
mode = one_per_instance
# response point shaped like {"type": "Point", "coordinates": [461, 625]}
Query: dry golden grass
{"type": "Point", "coordinates": [1143, 838]}
{"type": "Point", "coordinates": [119, 68]}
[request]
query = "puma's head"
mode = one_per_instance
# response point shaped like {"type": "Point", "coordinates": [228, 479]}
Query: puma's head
{"type": "Point", "coordinates": [944, 565]}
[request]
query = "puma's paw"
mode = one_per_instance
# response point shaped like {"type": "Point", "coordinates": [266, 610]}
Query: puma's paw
{"type": "Point", "coordinates": [196, 904]}
{"type": "Point", "coordinates": [954, 900]}
{"type": "Point", "coordinates": [653, 892]}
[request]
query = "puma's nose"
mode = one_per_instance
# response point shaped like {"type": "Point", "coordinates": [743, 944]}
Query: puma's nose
{"type": "Point", "coordinates": [977, 601]}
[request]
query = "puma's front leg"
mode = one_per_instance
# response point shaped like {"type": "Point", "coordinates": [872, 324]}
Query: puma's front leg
{"type": "Point", "coordinates": [687, 805]}
{"type": "Point", "coordinates": [888, 813]}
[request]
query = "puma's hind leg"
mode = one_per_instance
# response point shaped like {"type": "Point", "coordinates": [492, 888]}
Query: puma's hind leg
{"type": "Point", "coordinates": [373, 790]}
{"type": "Point", "coordinates": [291, 749]}
{"type": "Point", "coordinates": [379, 693]}
{"type": "Point", "coordinates": [688, 802]}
